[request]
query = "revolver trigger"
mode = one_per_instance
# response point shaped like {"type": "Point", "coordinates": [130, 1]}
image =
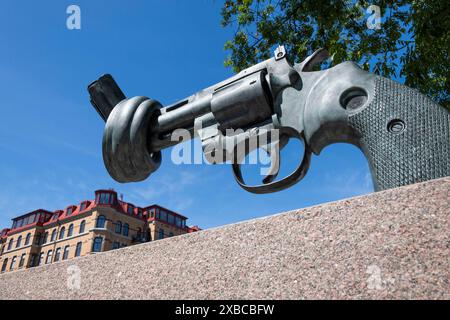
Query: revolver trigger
{"type": "Point", "coordinates": [268, 184]}
{"type": "Point", "coordinates": [273, 151]}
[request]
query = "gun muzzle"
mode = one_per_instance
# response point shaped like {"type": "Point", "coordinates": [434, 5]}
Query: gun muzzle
{"type": "Point", "coordinates": [105, 95]}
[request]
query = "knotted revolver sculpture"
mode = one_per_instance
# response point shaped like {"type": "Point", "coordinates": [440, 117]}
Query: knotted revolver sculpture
{"type": "Point", "coordinates": [404, 135]}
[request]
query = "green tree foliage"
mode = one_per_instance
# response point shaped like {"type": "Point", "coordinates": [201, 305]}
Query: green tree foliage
{"type": "Point", "coordinates": [411, 46]}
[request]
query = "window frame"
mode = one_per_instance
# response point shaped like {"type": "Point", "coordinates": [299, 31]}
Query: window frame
{"type": "Point", "coordinates": [66, 252]}
{"type": "Point", "coordinates": [54, 235]}
{"type": "Point", "coordinates": [126, 229]}
{"type": "Point", "coordinates": [49, 257]}
{"type": "Point", "coordinates": [27, 239]}
{"type": "Point", "coordinates": [100, 218]}
{"type": "Point", "coordinates": [19, 241]}
{"type": "Point", "coordinates": [98, 241]}
{"type": "Point", "coordinates": [138, 233]}
{"type": "Point", "coordinates": [82, 227]}
{"type": "Point", "coordinates": [163, 215]}
{"type": "Point", "coordinates": [13, 263]}
{"type": "Point", "coordinates": [78, 249]}
{"type": "Point", "coordinates": [118, 227]}
{"type": "Point", "coordinates": [37, 238]}
{"type": "Point", "coordinates": [70, 230]}
{"type": "Point", "coordinates": [57, 254]}
{"type": "Point", "coordinates": [33, 257]}
{"type": "Point", "coordinates": [40, 256]}
{"type": "Point", "coordinates": [22, 260]}
{"type": "Point", "coordinates": [44, 239]}
{"type": "Point", "coordinates": [4, 265]}
{"type": "Point", "coordinates": [62, 233]}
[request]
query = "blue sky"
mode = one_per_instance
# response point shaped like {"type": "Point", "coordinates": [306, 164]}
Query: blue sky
{"type": "Point", "coordinates": [50, 137]}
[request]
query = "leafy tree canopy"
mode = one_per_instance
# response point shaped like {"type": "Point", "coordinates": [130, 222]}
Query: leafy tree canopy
{"type": "Point", "coordinates": [411, 45]}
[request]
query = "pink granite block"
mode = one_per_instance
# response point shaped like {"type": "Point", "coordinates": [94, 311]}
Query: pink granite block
{"type": "Point", "coordinates": [387, 245]}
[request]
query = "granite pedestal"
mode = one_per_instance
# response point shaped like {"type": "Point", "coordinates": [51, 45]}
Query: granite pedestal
{"type": "Point", "coordinates": [393, 244]}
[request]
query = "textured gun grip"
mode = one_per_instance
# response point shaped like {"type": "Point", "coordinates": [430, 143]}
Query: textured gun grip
{"type": "Point", "coordinates": [419, 152]}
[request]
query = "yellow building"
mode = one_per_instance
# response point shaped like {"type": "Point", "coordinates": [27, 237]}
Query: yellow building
{"type": "Point", "coordinates": [105, 223]}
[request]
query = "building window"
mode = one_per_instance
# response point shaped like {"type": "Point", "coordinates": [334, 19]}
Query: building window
{"type": "Point", "coordinates": [139, 233]}
{"type": "Point", "coordinates": [57, 254]}
{"type": "Point", "coordinates": [70, 230]}
{"type": "Point", "coordinates": [106, 198]}
{"type": "Point", "coordinates": [66, 252]}
{"type": "Point", "coordinates": [53, 237]}
{"type": "Point", "coordinates": [171, 219]}
{"type": "Point", "coordinates": [26, 220]}
{"type": "Point", "coordinates": [22, 260]}
{"type": "Point", "coordinates": [69, 211]}
{"type": "Point", "coordinates": [10, 244]}
{"type": "Point", "coordinates": [62, 233]}
{"type": "Point", "coordinates": [78, 249]}
{"type": "Point", "coordinates": [32, 218]}
{"type": "Point", "coordinates": [163, 215]}
{"type": "Point", "coordinates": [42, 217]}
{"type": "Point", "coordinates": [116, 245]}
{"type": "Point", "coordinates": [27, 239]}
{"type": "Point", "coordinates": [13, 263]}
{"type": "Point", "coordinates": [5, 263]}
{"type": "Point", "coordinates": [130, 209]}
{"type": "Point", "coordinates": [100, 222]}
{"type": "Point", "coordinates": [126, 228]}
{"type": "Point", "coordinates": [161, 234]}
{"type": "Point", "coordinates": [45, 238]}
{"type": "Point", "coordinates": [178, 222]}
{"type": "Point", "coordinates": [140, 213]}
{"type": "Point", "coordinates": [40, 259]}
{"type": "Point", "coordinates": [83, 206]}
{"type": "Point", "coordinates": [32, 260]}
{"type": "Point", "coordinates": [49, 257]}
{"type": "Point", "coordinates": [37, 239]}
{"type": "Point", "coordinates": [97, 246]}
{"type": "Point", "coordinates": [19, 241]}
{"type": "Point", "coordinates": [118, 227]}
{"type": "Point", "coordinates": [82, 226]}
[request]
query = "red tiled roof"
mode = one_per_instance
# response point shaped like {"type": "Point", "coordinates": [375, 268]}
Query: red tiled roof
{"type": "Point", "coordinates": [119, 205]}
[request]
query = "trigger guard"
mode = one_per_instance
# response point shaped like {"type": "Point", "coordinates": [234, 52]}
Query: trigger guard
{"type": "Point", "coordinates": [297, 175]}
{"type": "Point", "coordinates": [273, 173]}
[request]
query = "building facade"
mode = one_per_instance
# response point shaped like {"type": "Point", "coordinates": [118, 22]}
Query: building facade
{"type": "Point", "coordinates": [105, 223]}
